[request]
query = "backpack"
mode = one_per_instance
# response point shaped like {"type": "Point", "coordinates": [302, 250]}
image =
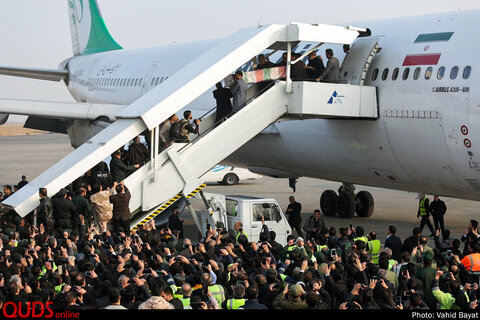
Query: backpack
{"type": "Point", "coordinates": [175, 131]}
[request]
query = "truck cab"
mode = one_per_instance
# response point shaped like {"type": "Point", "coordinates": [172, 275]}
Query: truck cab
{"type": "Point", "coordinates": [249, 210]}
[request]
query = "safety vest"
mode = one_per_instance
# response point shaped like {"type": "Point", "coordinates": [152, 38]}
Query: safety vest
{"type": "Point", "coordinates": [391, 263]}
{"type": "Point", "coordinates": [217, 292]}
{"type": "Point", "coordinates": [290, 249]}
{"type": "Point", "coordinates": [320, 247]}
{"type": "Point", "coordinates": [472, 262]}
{"type": "Point", "coordinates": [239, 234]}
{"type": "Point", "coordinates": [364, 239]}
{"type": "Point", "coordinates": [374, 249]}
{"type": "Point", "coordinates": [233, 304]}
{"type": "Point", "coordinates": [185, 302]}
{"type": "Point", "coordinates": [423, 210]}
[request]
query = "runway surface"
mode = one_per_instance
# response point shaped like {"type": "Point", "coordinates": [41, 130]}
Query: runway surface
{"type": "Point", "coordinates": [31, 155]}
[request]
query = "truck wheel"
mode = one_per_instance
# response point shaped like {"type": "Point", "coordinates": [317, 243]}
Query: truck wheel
{"type": "Point", "coordinates": [230, 179]}
{"type": "Point", "coordinates": [365, 204]}
{"type": "Point", "coordinates": [328, 203]}
{"type": "Point", "coordinates": [346, 205]}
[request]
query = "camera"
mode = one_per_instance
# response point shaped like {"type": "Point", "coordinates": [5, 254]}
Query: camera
{"type": "Point", "coordinates": [88, 273]}
{"type": "Point", "coordinates": [333, 252]}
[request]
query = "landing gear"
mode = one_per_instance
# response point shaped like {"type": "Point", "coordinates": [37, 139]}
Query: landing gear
{"type": "Point", "coordinates": [365, 204]}
{"type": "Point", "coordinates": [346, 203]}
{"type": "Point", "coordinates": [328, 203]}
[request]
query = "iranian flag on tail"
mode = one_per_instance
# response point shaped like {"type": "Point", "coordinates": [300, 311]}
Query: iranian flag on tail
{"type": "Point", "coordinates": [264, 74]}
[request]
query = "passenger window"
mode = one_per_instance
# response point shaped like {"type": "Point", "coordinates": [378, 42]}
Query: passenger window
{"type": "Point", "coordinates": [466, 72]}
{"type": "Point", "coordinates": [454, 73]}
{"type": "Point", "coordinates": [395, 73]}
{"type": "Point", "coordinates": [416, 74]}
{"type": "Point", "coordinates": [157, 80]}
{"type": "Point", "coordinates": [139, 82]}
{"type": "Point", "coordinates": [231, 208]}
{"type": "Point", "coordinates": [406, 72]}
{"type": "Point", "coordinates": [440, 73]}
{"type": "Point", "coordinates": [153, 80]}
{"type": "Point", "coordinates": [375, 74]}
{"type": "Point", "coordinates": [269, 211]}
{"type": "Point", "coordinates": [385, 74]}
{"type": "Point", "coordinates": [136, 82]}
{"type": "Point", "coordinates": [428, 73]}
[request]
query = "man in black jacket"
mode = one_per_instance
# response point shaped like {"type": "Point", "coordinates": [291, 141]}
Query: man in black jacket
{"type": "Point", "coordinates": [121, 209]}
{"type": "Point", "coordinates": [315, 66]}
{"type": "Point", "coordinates": [411, 241]}
{"type": "Point", "coordinates": [175, 223]}
{"type": "Point", "coordinates": [118, 168]}
{"type": "Point", "coordinates": [294, 218]}
{"type": "Point", "coordinates": [437, 209]}
{"type": "Point", "coordinates": [64, 211]}
{"type": "Point", "coordinates": [394, 243]}
{"type": "Point", "coordinates": [45, 210]}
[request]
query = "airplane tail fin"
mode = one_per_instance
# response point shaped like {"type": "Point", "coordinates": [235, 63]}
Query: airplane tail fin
{"type": "Point", "coordinates": [88, 29]}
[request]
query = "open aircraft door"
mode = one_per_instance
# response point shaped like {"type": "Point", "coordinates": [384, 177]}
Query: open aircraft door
{"type": "Point", "coordinates": [357, 62]}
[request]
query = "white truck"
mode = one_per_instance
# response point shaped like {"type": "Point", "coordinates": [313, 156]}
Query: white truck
{"type": "Point", "coordinates": [246, 209]}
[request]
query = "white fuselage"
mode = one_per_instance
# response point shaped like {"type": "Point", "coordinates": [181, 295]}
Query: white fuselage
{"type": "Point", "coordinates": [426, 138]}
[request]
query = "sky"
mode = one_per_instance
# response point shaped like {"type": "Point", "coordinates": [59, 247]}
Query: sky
{"type": "Point", "coordinates": [35, 33]}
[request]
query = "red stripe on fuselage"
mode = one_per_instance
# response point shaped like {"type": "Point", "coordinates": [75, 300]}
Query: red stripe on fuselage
{"type": "Point", "coordinates": [421, 59]}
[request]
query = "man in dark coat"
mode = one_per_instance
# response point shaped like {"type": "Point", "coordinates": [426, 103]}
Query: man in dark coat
{"type": "Point", "coordinates": [137, 153]}
{"type": "Point", "coordinates": [411, 241]}
{"type": "Point", "coordinates": [298, 71]}
{"type": "Point", "coordinates": [315, 66]}
{"type": "Point", "coordinates": [394, 243]}
{"type": "Point", "coordinates": [121, 209]}
{"type": "Point", "coordinates": [45, 210]}
{"type": "Point", "coordinates": [294, 218]}
{"type": "Point", "coordinates": [64, 211]}
{"type": "Point", "coordinates": [175, 223]}
{"type": "Point", "coordinates": [224, 104]}
{"type": "Point", "coordinates": [438, 208]}
{"type": "Point", "coordinates": [118, 168]}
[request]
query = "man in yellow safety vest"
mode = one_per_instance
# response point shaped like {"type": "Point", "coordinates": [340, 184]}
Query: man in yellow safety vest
{"type": "Point", "coordinates": [423, 211]}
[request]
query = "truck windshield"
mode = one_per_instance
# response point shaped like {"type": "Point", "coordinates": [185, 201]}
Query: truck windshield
{"type": "Point", "coordinates": [232, 208]}
{"type": "Point", "coordinates": [270, 212]}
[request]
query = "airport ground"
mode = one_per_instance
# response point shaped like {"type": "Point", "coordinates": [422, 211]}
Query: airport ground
{"type": "Point", "coordinates": [32, 154]}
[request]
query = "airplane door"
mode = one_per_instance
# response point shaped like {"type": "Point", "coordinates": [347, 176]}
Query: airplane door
{"type": "Point", "coordinates": [357, 62]}
{"type": "Point", "coordinates": [147, 83]}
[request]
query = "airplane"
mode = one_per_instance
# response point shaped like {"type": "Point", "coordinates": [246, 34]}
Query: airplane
{"type": "Point", "coordinates": [426, 137]}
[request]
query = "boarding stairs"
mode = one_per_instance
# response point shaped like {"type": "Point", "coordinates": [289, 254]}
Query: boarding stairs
{"type": "Point", "coordinates": [178, 169]}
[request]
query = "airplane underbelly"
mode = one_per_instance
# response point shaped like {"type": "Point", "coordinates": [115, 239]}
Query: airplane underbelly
{"type": "Point", "coordinates": [392, 152]}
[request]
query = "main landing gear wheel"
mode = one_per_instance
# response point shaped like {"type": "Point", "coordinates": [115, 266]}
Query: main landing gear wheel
{"type": "Point", "coordinates": [328, 203]}
{"type": "Point", "coordinates": [346, 205]}
{"type": "Point", "coordinates": [364, 204]}
{"type": "Point", "coordinates": [230, 179]}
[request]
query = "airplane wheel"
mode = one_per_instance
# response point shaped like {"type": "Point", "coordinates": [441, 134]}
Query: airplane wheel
{"type": "Point", "coordinates": [346, 205]}
{"type": "Point", "coordinates": [365, 204]}
{"type": "Point", "coordinates": [230, 179]}
{"type": "Point", "coordinates": [328, 203]}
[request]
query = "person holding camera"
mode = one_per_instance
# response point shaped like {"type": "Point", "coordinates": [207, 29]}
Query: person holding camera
{"type": "Point", "coordinates": [180, 131]}
{"type": "Point", "coordinates": [314, 225]}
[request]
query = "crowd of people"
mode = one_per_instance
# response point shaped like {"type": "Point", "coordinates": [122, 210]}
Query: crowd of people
{"type": "Point", "coordinates": [92, 261]}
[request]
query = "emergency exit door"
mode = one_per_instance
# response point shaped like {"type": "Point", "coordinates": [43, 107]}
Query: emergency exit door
{"type": "Point", "coordinates": [357, 62]}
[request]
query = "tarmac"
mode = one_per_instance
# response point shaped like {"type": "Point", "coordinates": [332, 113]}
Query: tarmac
{"type": "Point", "coordinates": [32, 154]}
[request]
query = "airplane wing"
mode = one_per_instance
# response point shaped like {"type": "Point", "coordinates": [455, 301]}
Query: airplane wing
{"type": "Point", "coordinates": [35, 73]}
{"type": "Point", "coordinates": [60, 110]}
